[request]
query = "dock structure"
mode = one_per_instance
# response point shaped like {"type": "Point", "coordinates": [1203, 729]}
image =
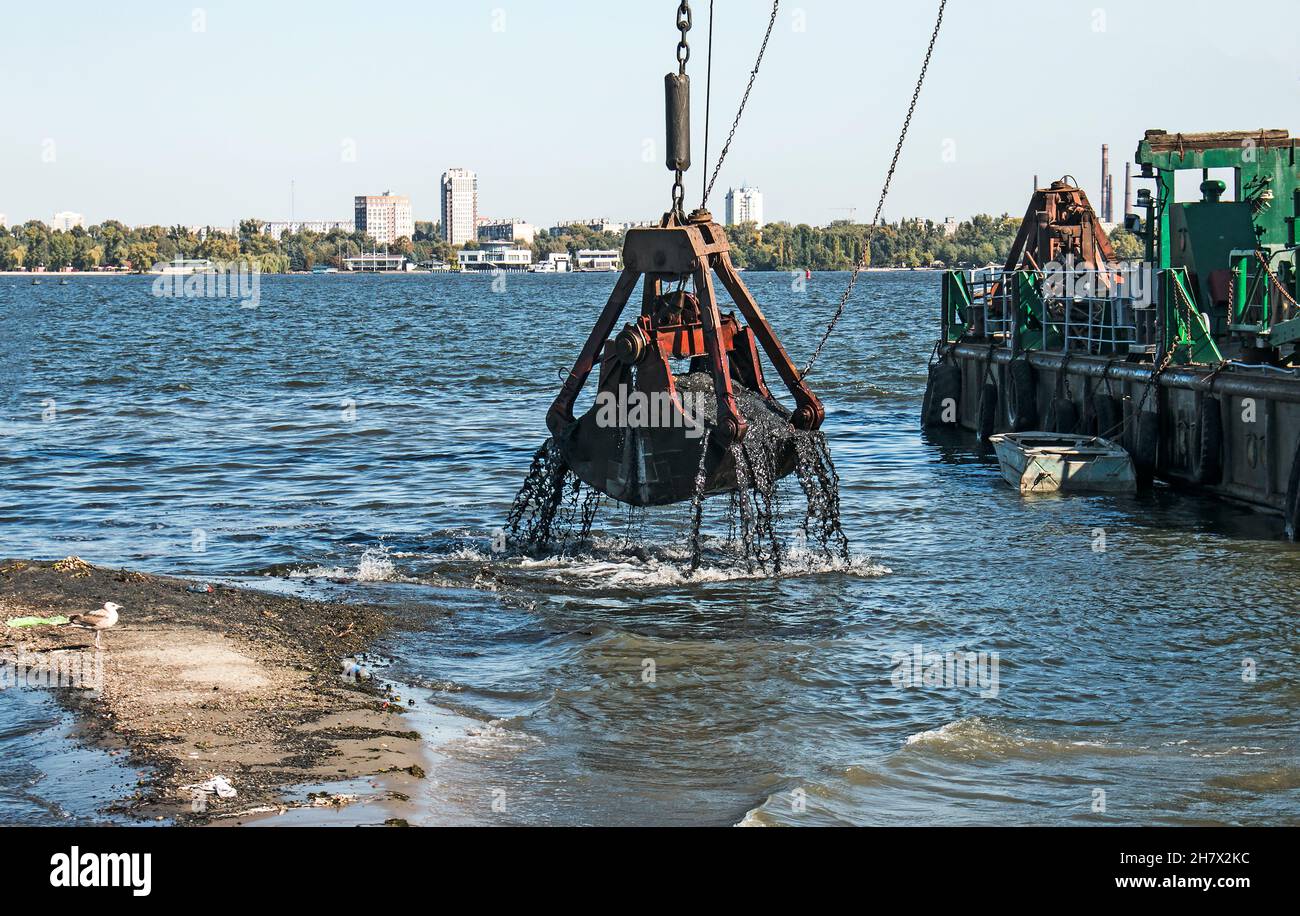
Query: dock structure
{"type": "Point", "coordinates": [1187, 356]}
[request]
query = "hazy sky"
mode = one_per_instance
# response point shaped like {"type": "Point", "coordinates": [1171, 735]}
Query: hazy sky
{"type": "Point", "coordinates": [176, 112]}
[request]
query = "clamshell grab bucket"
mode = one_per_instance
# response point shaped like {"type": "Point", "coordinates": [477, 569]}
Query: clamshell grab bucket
{"type": "Point", "coordinates": [654, 436]}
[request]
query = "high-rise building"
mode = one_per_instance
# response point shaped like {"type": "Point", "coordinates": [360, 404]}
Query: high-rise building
{"type": "Point", "coordinates": [744, 205]}
{"type": "Point", "coordinates": [66, 221]}
{"type": "Point", "coordinates": [384, 217]}
{"type": "Point", "coordinates": [459, 206]}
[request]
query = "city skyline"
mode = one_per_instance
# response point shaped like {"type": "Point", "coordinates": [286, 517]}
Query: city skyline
{"type": "Point", "coordinates": [812, 138]}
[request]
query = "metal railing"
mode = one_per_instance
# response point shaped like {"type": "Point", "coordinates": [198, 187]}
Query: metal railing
{"type": "Point", "coordinates": [1068, 310]}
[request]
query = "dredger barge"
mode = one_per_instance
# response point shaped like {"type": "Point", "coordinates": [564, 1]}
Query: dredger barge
{"type": "Point", "coordinates": [1187, 357]}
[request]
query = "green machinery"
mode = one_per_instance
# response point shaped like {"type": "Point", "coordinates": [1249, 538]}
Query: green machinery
{"type": "Point", "coordinates": [1237, 256]}
{"type": "Point", "coordinates": [1219, 278]}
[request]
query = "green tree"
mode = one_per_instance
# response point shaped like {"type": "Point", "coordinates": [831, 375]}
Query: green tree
{"type": "Point", "coordinates": [142, 255]}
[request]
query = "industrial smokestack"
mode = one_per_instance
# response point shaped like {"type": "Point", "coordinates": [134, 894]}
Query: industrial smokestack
{"type": "Point", "coordinates": [1107, 213]}
{"type": "Point", "coordinates": [1128, 188]}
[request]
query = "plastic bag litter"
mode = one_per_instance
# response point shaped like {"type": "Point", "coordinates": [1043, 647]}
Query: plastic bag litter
{"type": "Point", "coordinates": [217, 785]}
{"type": "Point", "coordinates": [25, 622]}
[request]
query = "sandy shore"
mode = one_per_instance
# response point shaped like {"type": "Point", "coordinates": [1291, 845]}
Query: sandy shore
{"type": "Point", "coordinates": [232, 683]}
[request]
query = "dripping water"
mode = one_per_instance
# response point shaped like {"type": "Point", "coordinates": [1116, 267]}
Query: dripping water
{"type": "Point", "coordinates": [554, 511]}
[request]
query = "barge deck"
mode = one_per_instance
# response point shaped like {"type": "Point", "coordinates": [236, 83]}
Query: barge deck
{"type": "Point", "coordinates": [1187, 357]}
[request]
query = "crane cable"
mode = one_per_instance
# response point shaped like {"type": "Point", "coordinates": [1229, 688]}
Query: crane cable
{"type": "Point", "coordinates": [708, 103]}
{"type": "Point", "coordinates": [749, 87]}
{"type": "Point", "coordinates": [884, 193]}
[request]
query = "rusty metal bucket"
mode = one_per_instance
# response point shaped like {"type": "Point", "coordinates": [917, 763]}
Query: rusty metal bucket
{"type": "Point", "coordinates": [654, 436]}
{"type": "Point", "coordinates": [662, 464]}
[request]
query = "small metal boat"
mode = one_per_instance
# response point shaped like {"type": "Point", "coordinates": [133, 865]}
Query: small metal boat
{"type": "Point", "coordinates": [1050, 462]}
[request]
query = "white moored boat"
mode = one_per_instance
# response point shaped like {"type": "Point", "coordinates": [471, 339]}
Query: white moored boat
{"type": "Point", "coordinates": [1048, 462]}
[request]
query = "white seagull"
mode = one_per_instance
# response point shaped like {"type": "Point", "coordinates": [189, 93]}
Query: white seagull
{"type": "Point", "coordinates": [98, 621]}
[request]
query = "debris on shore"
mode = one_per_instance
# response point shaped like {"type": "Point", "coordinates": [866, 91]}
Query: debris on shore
{"type": "Point", "coordinates": [228, 687]}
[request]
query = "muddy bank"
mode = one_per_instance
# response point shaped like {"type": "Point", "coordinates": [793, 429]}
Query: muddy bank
{"type": "Point", "coordinates": [227, 682]}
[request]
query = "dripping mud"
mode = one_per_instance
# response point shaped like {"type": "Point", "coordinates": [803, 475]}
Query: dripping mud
{"type": "Point", "coordinates": [784, 501]}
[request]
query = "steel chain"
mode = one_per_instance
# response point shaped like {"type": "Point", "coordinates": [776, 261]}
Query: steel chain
{"type": "Point", "coordinates": [884, 193]}
{"type": "Point", "coordinates": [683, 26]}
{"type": "Point", "coordinates": [1268, 268]}
{"type": "Point", "coordinates": [684, 21]}
{"type": "Point", "coordinates": [744, 99]}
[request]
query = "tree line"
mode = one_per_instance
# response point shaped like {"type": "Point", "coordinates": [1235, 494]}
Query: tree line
{"type": "Point", "coordinates": [981, 240]}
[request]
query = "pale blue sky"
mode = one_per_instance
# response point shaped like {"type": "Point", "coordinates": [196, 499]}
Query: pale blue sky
{"type": "Point", "coordinates": [151, 121]}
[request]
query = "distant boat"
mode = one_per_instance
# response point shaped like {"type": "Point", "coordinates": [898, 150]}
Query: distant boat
{"type": "Point", "coordinates": [1051, 462]}
{"type": "Point", "coordinates": [36, 282]}
{"type": "Point", "coordinates": [807, 273]}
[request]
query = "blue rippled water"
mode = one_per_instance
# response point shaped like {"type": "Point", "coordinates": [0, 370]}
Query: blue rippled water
{"type": "Point", "coordinates": [376, 428]}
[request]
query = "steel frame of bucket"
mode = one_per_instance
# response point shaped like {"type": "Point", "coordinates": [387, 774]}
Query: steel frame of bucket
{"type": "Point", "coordinates": [670, 253]}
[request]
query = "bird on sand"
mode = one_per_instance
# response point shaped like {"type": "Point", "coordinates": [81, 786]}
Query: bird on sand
{"type": "Point", "coordinates": [98, 621]}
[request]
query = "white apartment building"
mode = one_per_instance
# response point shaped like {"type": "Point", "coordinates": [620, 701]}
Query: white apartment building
{"type": "Point", "coordinates": [507, 230]}
{"type": "Point", "coordinates": [277, 228]}
{"type": "Point", "coordinates": [459, 206]}
{"type": "Point", "coordinates": [744, 205]}
{"type": "Point", "coordinates": [66, 221]}
{"type": "Point", "coordinates": [4, 221]}
{"type": "Point", "coordinates": [385, 217]}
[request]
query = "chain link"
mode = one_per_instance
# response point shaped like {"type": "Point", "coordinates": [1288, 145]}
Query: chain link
{"type": "Point", "coordinates": [683, 26]}
{"type": "Point", "coordinates": [1268, 268]}
{"type": "Point", "coordinates": [684, 22]}
{"type": "Point", "coordinates": [749, 87]}
{"type": "Point", "coordinates": [884, 193]}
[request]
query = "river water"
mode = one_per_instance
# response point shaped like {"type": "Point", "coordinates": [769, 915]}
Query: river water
{"type": "Point", "coordinates": [1140, 657]}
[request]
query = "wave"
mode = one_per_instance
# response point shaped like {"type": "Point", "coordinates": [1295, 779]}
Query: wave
{"type": "Point", "coordinates": [494, 738]}
{"type": "Point", "coordinates": [976, 738]}
{"type": "Point", "coordinates": [648, 571]}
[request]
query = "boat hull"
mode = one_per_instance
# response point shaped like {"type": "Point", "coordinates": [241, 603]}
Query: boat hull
{"type": "Point", "coordinates": [1051, 463]}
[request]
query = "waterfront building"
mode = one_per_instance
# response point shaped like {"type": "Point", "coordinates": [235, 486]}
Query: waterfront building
{"type": "Point", "coordinates": [66, 221]}
{"type": "Point", "coordinates": [4, 221]}
{"type": "Point", "coordinates": [507, 230]}
{"type": "Point", "coordinates": [495, 256]}
{"type": "Point", "coordinates": [598, 259]}
{"type": "Point", "coordinates": [459, 206]}
{"type": "Point", "coordinates": [179, 266]}
{"type": "Point", "coordinates": [376, 263]}
{"type": "Point", "coordinates": [744, 205]}
{"type": "Point", "coordinates": [384, 217]}
{"type": "Point", "coordinates": [557, 262]}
